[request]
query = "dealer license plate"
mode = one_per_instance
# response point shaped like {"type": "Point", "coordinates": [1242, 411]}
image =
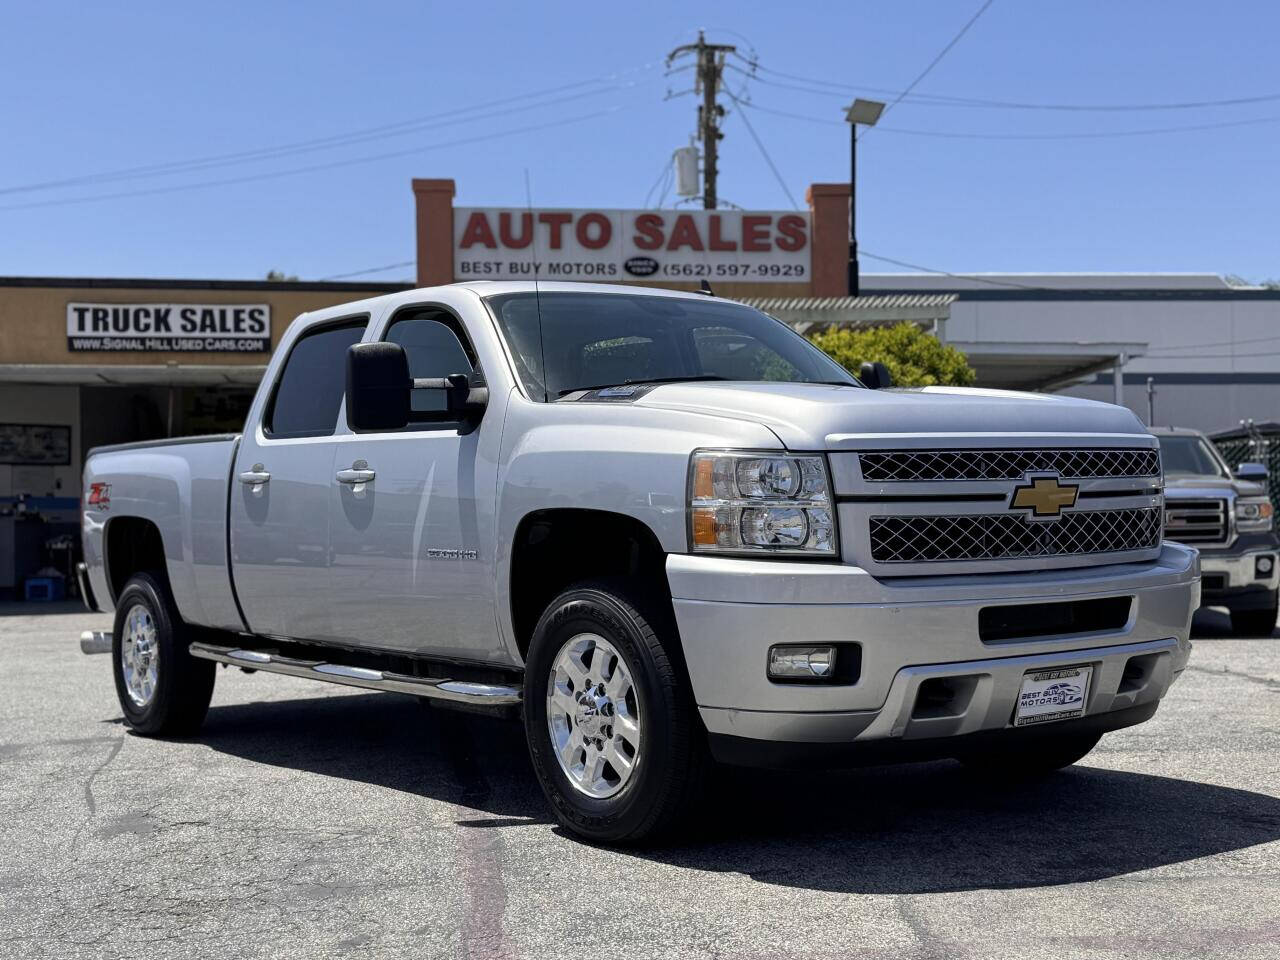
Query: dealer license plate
{"type": "Point", "coordinates": [1049, 695]}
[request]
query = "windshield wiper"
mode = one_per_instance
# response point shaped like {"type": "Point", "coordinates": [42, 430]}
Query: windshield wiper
{"type": "Point", "coordinates": [639, 381]}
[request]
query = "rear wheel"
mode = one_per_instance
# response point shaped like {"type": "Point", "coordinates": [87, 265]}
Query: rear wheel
{"type": "Point", "coordinates": [1254, 623]}
{"type": "Point", "coordinates": [1025, 760]}
{"type": "Point", "coordinates": [612, 728]}
{"type": "Point", "coordinates": [163, 690]}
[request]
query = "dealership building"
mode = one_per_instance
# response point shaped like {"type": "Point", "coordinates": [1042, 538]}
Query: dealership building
{"type": "Point", "coordinates": [90, 361]}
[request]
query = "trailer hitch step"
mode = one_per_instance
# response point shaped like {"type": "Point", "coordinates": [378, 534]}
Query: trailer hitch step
{"type": "Point", "coordinates": [454, 691]}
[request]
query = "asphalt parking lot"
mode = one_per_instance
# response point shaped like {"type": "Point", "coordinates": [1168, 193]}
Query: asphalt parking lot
{"type": "Point", "coordinates": [309, 821]}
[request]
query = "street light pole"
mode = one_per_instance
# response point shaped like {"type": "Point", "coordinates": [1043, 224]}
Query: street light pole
{"type": "Point", "coordinates": [853, 209]}
{"type": "Point", "coordinates": [865, 112]}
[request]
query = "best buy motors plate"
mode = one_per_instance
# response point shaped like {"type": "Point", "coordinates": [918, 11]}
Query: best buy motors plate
{"type": "Point", "coordinates": [1049, 695]}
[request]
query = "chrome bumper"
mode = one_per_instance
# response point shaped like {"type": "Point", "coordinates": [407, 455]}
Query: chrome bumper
{"type": "Point", "coordinates": [730, 612]}
{"type": "Point", "coordinates": [1240, 569]}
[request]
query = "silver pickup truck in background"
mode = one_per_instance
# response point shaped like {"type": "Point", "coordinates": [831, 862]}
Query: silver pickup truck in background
{"type": "Point", "coordinates": [663, 529]}
{"type": "Point", "coordinates": [1227, 516]}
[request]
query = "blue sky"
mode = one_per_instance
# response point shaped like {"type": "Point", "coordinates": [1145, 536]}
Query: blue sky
{"type": "Point", "coordinates": [97, 88]}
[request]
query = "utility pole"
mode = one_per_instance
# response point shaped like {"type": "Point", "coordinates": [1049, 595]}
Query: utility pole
{"type": "Point", "coordinates": [708, 67]}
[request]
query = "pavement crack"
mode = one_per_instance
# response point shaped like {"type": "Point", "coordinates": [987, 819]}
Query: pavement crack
{"type": "Point", "coordinates": [1237, 674]}
{"type": "Point", "coordinates": [88, 784]}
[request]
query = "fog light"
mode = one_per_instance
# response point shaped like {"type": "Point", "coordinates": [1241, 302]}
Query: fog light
{"type": "Point", "coordinates": [802, 663]}
{"type": "Point", "coordinates": [1263, 566]}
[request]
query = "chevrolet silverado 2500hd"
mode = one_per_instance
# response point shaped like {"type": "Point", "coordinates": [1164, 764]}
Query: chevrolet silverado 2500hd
{"type": "Point", "coordinates": [664, 529]}
{"type": "Point", "coordinates": [1228, 518]}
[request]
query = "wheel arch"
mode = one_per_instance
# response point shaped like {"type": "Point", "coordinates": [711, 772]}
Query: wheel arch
{"type": "Point", "coordinates": [557, 547]}
{"type": "Point", "coordinates": [132, 545]}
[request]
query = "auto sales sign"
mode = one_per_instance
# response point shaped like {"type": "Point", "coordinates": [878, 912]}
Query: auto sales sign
{"type": "Point", "coordinates": [169, 327]}
{"type": "Point", "coordinates": [495, 243]}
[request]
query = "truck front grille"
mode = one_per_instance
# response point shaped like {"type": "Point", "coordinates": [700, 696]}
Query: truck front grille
{"type": "Point", "coordinates": [917, 539]}
{"type": "Point", "coordinates": [1196, 521]}
{"type": "Point", "coordinates": [1086, 463]}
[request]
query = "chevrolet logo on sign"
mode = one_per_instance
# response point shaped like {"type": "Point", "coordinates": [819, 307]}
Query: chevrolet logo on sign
{"type": "Point", "coordinates": [1044, 497]}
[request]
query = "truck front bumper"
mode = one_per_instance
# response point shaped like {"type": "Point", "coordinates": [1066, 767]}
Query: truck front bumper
{"type": "Point", "coordinates": [1234, 580]}
{"type": "Point", "coordinates": [910, 630]}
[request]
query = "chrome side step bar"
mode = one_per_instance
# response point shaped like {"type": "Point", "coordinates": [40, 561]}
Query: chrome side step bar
{"type": "Point", "coordinates": [455, 691]}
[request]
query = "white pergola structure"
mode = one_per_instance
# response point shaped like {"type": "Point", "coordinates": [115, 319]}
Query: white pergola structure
{"type": "Point", "coordinates": [1006, 365]}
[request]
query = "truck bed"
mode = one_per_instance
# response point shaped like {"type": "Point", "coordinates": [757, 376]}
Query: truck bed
{"type": "Point", "coordinates": [181, 486]}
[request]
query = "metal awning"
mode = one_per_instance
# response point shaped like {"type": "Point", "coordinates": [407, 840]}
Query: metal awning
{"type": "Point", "coordinates": [152, 374]}
{"type": "Point", "coordinates": [1041, 365]}
{"type": "Point", "coordinates": [815, 314]}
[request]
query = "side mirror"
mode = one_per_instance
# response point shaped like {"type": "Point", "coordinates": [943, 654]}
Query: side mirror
{"type": "Point", "coordinates": [1252, 471]}
{"type": "Point", "coordinates": [378, 386]}
{"type": "Point", "coordinates": [875, 375]}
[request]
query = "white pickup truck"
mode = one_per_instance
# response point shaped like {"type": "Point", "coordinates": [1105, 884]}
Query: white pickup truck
{"type": "Point", "coordinates": [662, 528]}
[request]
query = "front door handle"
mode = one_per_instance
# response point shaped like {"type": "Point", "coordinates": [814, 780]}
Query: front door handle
{"type": "Point", "coordinates": [256, 475]}
{"type": "Point", "coordinates": [359, 473]}
{"type": "Point", "coordinates": [256, 478]}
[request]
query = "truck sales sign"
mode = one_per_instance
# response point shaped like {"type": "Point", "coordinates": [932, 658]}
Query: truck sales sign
{"type": "Point", "coordinates": [492, 243]}
{"type": "Point", "coordinates": [167, 327]}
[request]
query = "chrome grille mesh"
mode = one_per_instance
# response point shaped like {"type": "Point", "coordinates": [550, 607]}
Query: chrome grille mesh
{"type": "Point", "coordinates": [908, 465]}
{"type": "Point", "coordinates": [914, 539]}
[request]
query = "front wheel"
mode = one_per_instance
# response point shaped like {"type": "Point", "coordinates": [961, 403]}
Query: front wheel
{"type": "Point", "coordinates": [612, 728]}
{"type": "Point", "coordinates": [1035, 759]}
{"type": "Point", "coordinates": [163, 690]}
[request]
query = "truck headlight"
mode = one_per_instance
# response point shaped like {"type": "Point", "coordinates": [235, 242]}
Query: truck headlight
{"type": "Point", "coordinates": [1254, 514]}
{"type": "Point", "coordinates": [760, 503]}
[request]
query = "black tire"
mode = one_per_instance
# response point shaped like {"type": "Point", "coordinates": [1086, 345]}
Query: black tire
{"type": "Point", "coordinates": [1027, 760]}
{"type": "Point", "coordinates": [184, 684]}
{"type": "Point", "coordinates": [1254, 623]}
{"type": "Point", "coordinates": [671, 763]}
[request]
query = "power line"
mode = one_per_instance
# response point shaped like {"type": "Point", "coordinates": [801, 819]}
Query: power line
{"type": "Point", "coordinates": [1219, 343]}
{"type": "Point", "coordinates": [361, 273]}
{"type": "Point", "coordinates": [929, 99]}
{"type": "Point", "coordinates": [467, 114]}
{"type": "Point", "coordinates": [662, 177]}
{"type": "Point", "coordinates": [763, 151]}
{"type": "Point", "coordinates": [275, 174]}
{"type": "Point", "coordinates": [935, 61]}
{"type": "Point", "coordinates": [978, 278]}
{"type": "Point", "coordinates": [1217, 356]}
{"type": "Point", "coordinates": [1084, 135]}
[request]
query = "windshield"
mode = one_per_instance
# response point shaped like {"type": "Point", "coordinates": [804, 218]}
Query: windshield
{"type": "Point", "coordinates": [1190, 455]}
{"type": "Point", "coordinates": [607, 339]}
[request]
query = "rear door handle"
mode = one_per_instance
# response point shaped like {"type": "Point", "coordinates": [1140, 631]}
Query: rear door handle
{"type": "Point", "coordinates": [359, 473]}
{"type": "Point", "coordinates": [256, 475]}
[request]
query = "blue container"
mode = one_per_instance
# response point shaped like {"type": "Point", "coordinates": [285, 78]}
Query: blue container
{"type": "Point", "coordinates": [45, 588]}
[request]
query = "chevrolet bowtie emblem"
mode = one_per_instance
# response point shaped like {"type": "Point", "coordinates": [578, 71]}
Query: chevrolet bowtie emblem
{"type": "Point", "coordinates": [1044, 497]}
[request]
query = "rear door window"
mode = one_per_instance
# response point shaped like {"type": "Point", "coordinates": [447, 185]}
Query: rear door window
{"type": "Point", "coordinates": [309, 392]}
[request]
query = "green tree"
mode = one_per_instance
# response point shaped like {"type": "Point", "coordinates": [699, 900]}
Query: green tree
{"type": "Point", "coordinates": [279, 276]}
{"type": "Point", "coordinates": [915, 358]}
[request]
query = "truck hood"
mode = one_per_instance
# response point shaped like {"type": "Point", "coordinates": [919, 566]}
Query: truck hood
{"type": "Point", "coordinates": [1190, 485]}
{"type": "Point", "coordinates": [811, 416]}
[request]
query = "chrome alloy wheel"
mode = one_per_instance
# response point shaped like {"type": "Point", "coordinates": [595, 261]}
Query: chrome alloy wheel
{"type": "Point", "coordinates": [593, 714]}
{"type": "Point", "coordinates": [140, 655]}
